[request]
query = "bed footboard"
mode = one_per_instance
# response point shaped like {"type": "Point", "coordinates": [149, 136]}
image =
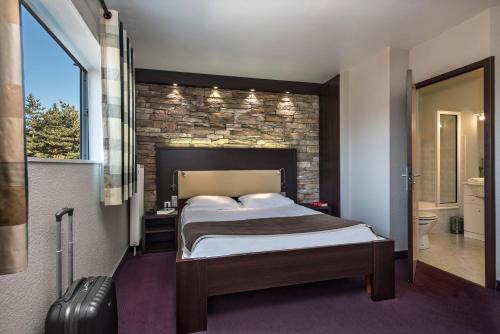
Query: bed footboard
{"type": "Point", "coordinates": [381, 281]}
{"type": "Point", "coordinates": [191, 296]}
{"type": "Point", "coordinates": [197, 279]}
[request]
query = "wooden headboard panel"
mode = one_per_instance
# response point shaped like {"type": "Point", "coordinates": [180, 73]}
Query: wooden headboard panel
{"type": "Point", "coordinates": [169, 159]}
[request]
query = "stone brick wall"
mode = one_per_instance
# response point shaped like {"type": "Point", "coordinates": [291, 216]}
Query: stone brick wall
{"type": "Point", "coordinates": [204, 117]}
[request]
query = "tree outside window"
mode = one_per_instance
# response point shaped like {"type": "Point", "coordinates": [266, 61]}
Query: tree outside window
{"type": "Point", "coordinates": [54, 94]}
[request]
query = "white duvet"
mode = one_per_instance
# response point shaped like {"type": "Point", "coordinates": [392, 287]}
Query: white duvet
{"type": "Point", "coordinates": [217, 245]}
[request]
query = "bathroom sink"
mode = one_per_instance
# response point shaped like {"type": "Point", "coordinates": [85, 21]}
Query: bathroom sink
{"type": "Point", "coordinates": [476, 186]}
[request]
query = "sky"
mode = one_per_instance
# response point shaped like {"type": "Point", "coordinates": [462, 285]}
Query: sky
{"type": "Point", "coordinates": [49, 73]}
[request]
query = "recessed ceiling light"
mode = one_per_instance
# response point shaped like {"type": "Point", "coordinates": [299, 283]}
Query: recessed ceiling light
{"type": "Point", "coordinates": [252, 90]}
{"type": "Point", "coordinates": [215, 87]}
{"type": "Point", "coordinates": [287, 92]}
{"type": "Point", "coordinates": [174, 84]}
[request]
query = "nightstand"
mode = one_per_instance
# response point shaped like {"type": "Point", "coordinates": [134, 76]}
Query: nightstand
{"type": "Point", "coordinates": [323, 209]}
{"type": "Point", "coordinates": [159, 232]}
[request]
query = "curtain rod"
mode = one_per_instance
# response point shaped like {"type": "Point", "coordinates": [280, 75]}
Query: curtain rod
{"type": "Point", "coordinates": [107, 14]}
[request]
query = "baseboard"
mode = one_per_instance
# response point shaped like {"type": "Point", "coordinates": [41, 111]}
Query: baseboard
{"type": "Point", "coordinates": [118, 265]}
{"type": "Point", "coordinates": [402, 254]}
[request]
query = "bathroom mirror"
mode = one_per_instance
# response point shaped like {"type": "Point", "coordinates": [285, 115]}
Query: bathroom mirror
{"type": "Point", "coordinates": [448, 135]}
{"type": "Point", "coordinates": [480, 141]}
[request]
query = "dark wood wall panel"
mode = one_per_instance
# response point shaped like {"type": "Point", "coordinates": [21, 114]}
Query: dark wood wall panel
{"type": "Point", "coordinates": [329, 144]}
{"type": "Point", "coordinates": [225, 82]}
{"type": "Point", "coordinates": [170, 159]}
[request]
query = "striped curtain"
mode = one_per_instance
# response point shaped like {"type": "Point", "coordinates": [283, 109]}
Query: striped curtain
{"type": "Point", "coordinates": [13, 200]}
{"type": "Point", "coordinates": [118, 108]}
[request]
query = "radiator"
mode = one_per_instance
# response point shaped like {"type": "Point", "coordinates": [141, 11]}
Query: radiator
{"type": "Point", "coordinates": [137, 210]}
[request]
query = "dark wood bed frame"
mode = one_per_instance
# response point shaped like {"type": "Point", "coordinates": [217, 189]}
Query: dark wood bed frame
{"type": "Point", "coordinates": [198, 279]}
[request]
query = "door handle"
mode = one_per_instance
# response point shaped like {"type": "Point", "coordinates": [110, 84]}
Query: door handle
{"type": "Point", "coordinates": [408, 178]}
{"type": "Point", "coordinates": [405, 175]}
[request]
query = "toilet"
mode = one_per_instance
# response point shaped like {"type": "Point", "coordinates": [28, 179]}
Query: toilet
{"type": "Point", "coordinates": [426, 221]}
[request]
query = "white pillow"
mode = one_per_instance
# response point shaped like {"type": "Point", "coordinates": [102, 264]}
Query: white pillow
{"type": "Point", "coordinates": [265, 200]}
{"type": "Point", "coordinates": [212, 202]}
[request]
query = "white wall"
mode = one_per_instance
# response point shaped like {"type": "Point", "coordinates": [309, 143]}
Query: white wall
{"type": "Point", "coordinates": [373, 151]}
{"type": "Point", "coordinates": [89, 11]}
{"type": "Point", "coordinates": [101, 238]}
{"type": "Point", "coordinates": [462, 45]}
{"type": "Point", "coordinates": [344, 143]}
{"type": "Point", "coordinates": [366, 114]}
{"type": "Point", "coordinates": [399, 62]}
{"type": "Point", "coordinates": [470, 41]}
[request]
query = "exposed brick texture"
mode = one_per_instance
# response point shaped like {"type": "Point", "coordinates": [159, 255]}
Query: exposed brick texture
{"type": "Point", "coordinates": [202, 117]}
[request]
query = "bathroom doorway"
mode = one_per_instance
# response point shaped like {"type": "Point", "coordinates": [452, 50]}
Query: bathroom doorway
{"type": "Point", "coordinates": [451, 187]}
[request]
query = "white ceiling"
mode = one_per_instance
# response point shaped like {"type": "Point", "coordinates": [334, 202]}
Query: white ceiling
{"type": "Point", "coordinates": [299, 40]}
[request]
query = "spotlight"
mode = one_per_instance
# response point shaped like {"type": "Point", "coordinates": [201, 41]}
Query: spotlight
{"type": "Point", "coordinates": [252, 90]}
{"type": "Point", "coordinates": [174, 84]}
{"type": "Point", "coordinates": [215, 87]}
{"type": "Point", "coordinates": [481, 117]}
{"type": "Point", "coordinates": [287, 92]}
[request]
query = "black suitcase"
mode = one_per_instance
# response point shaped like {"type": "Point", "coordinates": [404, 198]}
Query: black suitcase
{"type": "Point", "coordinates": [89, 304]}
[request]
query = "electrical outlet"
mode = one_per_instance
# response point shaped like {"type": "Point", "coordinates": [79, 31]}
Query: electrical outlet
{"type": "Point", "coordinates": [174, 201]}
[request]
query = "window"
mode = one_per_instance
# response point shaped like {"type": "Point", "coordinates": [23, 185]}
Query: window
{"type": "Point", "coordinates": [55, 91]}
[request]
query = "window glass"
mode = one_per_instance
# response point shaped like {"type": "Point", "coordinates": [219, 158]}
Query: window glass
{"type": "Point", "coordinates": [53, 95]}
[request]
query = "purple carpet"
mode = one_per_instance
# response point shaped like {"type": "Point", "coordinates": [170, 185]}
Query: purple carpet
{"type": "Point", "coordinates": [436, 303]}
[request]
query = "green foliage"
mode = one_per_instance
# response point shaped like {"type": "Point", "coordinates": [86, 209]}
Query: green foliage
{"type": "Point", "coordinates": [53, 132]}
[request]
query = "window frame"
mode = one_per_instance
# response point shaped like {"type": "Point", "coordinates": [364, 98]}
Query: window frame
{"type": "Point", "coordinates": [84, 96]}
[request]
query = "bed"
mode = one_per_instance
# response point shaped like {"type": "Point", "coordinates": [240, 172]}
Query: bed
{"type": "Point", "coordinates": [219, 264]}
{"type": "Point", "coordinates": [213, 245]}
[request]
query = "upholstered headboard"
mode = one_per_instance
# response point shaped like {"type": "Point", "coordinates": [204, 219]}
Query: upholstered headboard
{"type": "Point", "coordinates": [230, 171]}
{"type": "Point", "coordinates": [232, 183]}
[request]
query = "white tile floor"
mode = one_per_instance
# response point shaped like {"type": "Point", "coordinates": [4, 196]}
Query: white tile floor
{"type": "Point", "coordinates": [457, 255]}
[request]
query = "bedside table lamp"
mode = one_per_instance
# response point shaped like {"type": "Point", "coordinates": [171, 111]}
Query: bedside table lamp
{"type": "Point", "coordinates": [173, 187]}
{"type": "Point", "coordinates": [283, 181]}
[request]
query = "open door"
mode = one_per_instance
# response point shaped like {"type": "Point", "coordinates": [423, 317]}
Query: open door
{"type": "Point", "coordinates": [411, 133]}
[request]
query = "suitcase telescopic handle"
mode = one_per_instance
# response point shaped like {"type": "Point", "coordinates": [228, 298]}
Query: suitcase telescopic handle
{"type": "Point", "coordinates": [59, 215]}
{"type": "Point", "coordinates": [62, 212]}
